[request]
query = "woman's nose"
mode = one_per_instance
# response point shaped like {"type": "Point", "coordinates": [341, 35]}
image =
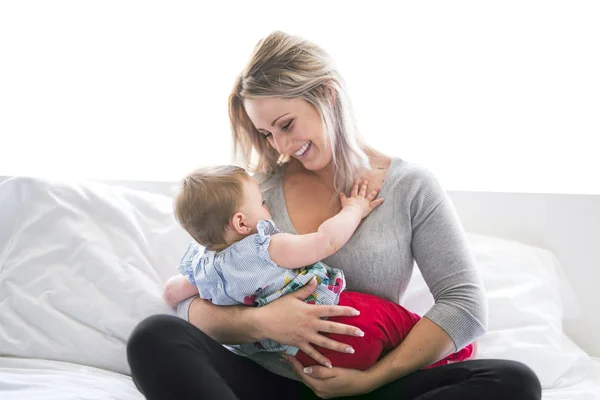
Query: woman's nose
{"type": "Point", "coordinates": [281, 143]}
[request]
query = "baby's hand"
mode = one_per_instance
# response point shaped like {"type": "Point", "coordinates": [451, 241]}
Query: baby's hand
{"type": "Point", "coordinates": [358, 199]}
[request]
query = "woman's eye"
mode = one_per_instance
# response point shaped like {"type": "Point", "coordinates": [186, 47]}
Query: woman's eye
{"type": "Point", "coordinates": [287, 126]}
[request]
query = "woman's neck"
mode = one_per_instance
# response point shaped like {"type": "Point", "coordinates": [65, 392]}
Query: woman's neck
{"type": "Point", "coordinates": [325, 175]}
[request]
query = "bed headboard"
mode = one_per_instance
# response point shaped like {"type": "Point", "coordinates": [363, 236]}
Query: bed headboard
{"type": "Point", "coordinates": [568, 225]}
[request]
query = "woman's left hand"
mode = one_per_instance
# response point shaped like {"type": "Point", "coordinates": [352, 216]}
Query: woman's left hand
{"type": "Point", "coordinates": [332, 382]}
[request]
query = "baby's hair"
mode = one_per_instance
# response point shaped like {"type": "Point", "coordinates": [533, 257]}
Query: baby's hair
{"type": "Point", "coordinates": [207, 199]}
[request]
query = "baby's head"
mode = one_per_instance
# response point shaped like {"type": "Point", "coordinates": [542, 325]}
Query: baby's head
{"type": "Point", "coordinates": [219, 205]}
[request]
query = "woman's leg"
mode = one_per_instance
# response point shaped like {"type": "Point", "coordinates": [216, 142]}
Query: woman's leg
{"type": "Point", "coordinates": [466, 380]}
{"type": "Point", "coordinates": [172, 359]}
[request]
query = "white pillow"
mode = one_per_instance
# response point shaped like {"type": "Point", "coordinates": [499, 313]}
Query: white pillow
{"type": "Point", "coordinates": [80, 265]}
{"type": "Point", "coordinates": [525, 305]}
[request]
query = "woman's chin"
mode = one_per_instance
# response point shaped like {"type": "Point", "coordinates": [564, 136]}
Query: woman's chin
{"type": "Point", "coordinates": [314, 165]}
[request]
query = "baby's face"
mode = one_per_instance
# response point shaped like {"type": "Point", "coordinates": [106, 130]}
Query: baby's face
{"type": "Point", "coordinates": [253, 206]}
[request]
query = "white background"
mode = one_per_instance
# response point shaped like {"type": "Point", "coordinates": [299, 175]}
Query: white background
{"type": "Point", "coordinates": [499, 96]}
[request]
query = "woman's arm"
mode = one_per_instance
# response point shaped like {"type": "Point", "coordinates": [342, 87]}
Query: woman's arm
{"type": "Point", "coordinates": [287, 320]}
{"type": "Point", "coordinates": [440, 249]}
{"type": "Point", "coordinates": [425, 344]}
{"type": "Point", "coordinates": [297, 251]}
{"type": "Point", "coordinates": [459, 315]}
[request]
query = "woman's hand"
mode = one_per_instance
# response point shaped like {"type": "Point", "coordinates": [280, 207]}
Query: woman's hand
{"type": "Point", "coordinates": [332, 382]}
{"type": "Point", "coordinates": [291, 321]}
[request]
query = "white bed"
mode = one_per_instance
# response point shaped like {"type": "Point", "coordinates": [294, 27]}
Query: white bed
{"type": "Point", "coordinates": [82, 262]}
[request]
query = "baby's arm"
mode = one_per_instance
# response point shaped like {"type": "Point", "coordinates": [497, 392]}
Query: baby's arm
{"type": "Point", "coordinates": [177, 289]}
{"type": "Point", "coordinates": [297, 251]}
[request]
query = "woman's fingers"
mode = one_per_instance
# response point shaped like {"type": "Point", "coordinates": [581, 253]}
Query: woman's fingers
{"type": "Point", "coordinates": [296, 365]}
{"type": "Point", "coordinates": [299, 369]}
{"type": "Point", "coordinates": [340, 329]}
{"type": "Point", "coordinates": [335, 311]}
{"type": "Point", "coordinates": [315, 355]}
{"type": "Point", "coordinates": [314, 377]}
{"type": "Point", "coordinates": [327, 343]}
{"type": "Point", "coordinates": [318, 372]}
{"type": "Point", "coordinates": [306, 290]}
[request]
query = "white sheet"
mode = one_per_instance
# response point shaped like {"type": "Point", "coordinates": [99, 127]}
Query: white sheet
{"type": "Point", "coordinates": [29, 379]}
{"type": "Point", "coordinates": [34, 379]}
{"type": "Point", "coordinates": [582, 382]}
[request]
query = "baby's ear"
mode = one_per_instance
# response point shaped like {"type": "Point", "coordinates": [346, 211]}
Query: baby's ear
{"type": "Point", "coordinates": [238, 224]}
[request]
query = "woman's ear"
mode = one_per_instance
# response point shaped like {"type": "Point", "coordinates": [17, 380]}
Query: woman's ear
{"type": "Point", "coordinates": [238, 224]}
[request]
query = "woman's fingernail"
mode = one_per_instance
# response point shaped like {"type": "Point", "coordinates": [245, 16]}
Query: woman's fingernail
{"type": "Point", "coordinates": [355, 312]}
{"type": "Point", "coordinates": [349, 350]}
{"type": "Point", "coordinates": [360, 333]}
{"type": "Point", "coordinates": [307, 370]}
{"type": "Point", "coordinates": [328, 365]}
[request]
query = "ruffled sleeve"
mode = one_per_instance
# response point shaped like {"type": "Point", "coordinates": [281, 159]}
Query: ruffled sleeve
{"type": "Point", "coordinates": [265, 229]}
{"type": "Point", "coordinates": [186, 265]}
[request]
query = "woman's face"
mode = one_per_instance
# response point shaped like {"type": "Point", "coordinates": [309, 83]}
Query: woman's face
{"type": "Point", "coordinates": [293, 127]}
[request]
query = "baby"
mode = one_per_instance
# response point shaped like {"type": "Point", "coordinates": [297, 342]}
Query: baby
{"type": "Point", "coordinates": [247, 260]}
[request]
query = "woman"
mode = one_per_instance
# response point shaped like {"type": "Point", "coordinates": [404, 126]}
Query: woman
{"type": "Point", "coordinates": [289, 105]}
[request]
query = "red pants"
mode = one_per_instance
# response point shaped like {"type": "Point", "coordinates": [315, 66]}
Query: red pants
{"type": "Point", "coordinates": [385, 325]}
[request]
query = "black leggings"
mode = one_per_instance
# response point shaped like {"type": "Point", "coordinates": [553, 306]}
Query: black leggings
{"type": "Point", "coordinates": [172, 359]}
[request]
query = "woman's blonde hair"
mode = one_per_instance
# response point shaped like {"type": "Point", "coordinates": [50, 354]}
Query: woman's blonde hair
{"type": "Point", "coordinates": [206, 200]}
{"type": "Point", "coordinates": [288, 67]}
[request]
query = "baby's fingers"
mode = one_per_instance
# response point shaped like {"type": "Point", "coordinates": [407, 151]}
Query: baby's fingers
{"type": "Point", "coordinates": [363, 189]}
{"type": "Point", "coordinates": [354, 191]}
{"type": "Point", "coordinates": [373, 193]}
{"type": "Point", "coordinates": [315, 355]}
{"type": "Point", "coordinates": [375, 203]}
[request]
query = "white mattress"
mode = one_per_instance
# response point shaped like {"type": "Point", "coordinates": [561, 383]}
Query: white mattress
{"type": "Point", "coordinates": [24, 379]}
{"type": "Point", "coordinates": [581, 382]}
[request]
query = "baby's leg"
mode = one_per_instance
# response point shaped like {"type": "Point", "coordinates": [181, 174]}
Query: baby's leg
{"type": "Point", "coordinates": [466, 353]}
{"type": "Point", "coordinates": [383, 322]}
{"type": "Point", "coordinates": [385, 325]}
